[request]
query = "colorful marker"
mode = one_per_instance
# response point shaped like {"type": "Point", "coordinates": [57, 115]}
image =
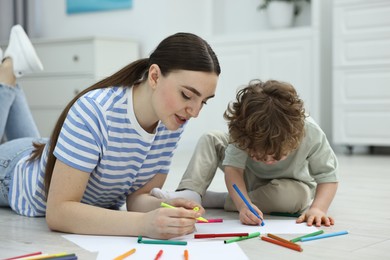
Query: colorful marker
{"type": "Point", "coordinates": [324, 236]}
{"type": "Point", "coordinates": [221, 235]}
{"type": "Point", "coordinates": [280, 243]}
{"type": "Point", "coordinates": [23, 256]}
{"type": "Point", "coordinates": [165, 205]}
{"type": "Point", "coordinates": [159, 254]}
{"type": "Point", "coordinates": [252, 235]}
{"type": "Point", "coordinates": [186, 255]}
{"type": "Point", "coordinates": [211, 220]}
{"type": "Point", "coordinates": [161, 242]}
{"type": "Point", "coordinates": [123, 256]}
{"type": "Point", "coordinates": [280, 239]}
{"type": "Point", "coordinates": [63, 255]}
{"type": "Point", "coordinates": [285, 214]}
{"type": "Point", "coordinates": [319, 232]}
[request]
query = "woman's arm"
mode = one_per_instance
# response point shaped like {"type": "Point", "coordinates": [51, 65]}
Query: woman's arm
{"type": "Point", "coordinates": [66, 213]}
{"type": "Point", "coordinates": [141, 201]}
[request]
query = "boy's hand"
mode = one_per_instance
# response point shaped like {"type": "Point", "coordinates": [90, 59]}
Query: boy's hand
{"type": "Point", "coordinates": [315, 216]}
{"type": "Point", "coordinates": [248, 218]}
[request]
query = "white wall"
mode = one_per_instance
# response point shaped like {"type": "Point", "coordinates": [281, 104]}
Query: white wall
{"type": "Point", "coordinates": [148, 21]}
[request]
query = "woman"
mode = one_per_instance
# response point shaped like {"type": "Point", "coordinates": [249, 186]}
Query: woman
{"type": "Point", "coordinates": [112, 144]}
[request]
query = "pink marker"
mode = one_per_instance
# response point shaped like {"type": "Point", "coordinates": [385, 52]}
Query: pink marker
{"type": "Point", "coordinates": [212, 220]}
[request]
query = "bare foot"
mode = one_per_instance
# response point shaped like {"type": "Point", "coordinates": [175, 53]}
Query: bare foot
{"type": "Point", "coordinates": [7, 73]}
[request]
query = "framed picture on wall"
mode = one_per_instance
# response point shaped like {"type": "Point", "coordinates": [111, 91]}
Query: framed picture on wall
{"type": "Point", "coordinates": [83, 6]}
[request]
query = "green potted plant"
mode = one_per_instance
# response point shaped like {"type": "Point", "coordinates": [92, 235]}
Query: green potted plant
{"type": "Point", "coordinates": [281, 13]}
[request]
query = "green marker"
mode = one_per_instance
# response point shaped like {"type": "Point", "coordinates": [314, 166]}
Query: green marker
{"type": "Point", "coordinates": [161, 242]}
{"type": "Point", "coordinates": [308, 235]}
{"type": "Point", "coordinates": [253, 235]}
{"type": "Point", "coordinates": [285, 214]}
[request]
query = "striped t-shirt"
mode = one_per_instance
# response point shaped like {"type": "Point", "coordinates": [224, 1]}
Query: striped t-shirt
{"type": "Point", "coordinates": [101, 136]}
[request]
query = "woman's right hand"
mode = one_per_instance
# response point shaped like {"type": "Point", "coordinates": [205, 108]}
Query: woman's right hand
{"type": "Point", "coordinates": [166, 223]}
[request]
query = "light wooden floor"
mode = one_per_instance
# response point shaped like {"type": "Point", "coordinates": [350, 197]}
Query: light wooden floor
{"type": "Point", "coordinates": [361, 206]}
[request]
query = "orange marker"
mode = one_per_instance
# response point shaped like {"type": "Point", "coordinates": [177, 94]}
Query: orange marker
{"type": "Point", "coordinates": [277, 242]}
{"type": "Point", "coordinates": [186, 256]}
{"type": "Point", "coordinates": [280, 239]}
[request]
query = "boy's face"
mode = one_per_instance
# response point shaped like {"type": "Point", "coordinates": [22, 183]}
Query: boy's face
{"type": "Point", "coordinates": [268, 159]}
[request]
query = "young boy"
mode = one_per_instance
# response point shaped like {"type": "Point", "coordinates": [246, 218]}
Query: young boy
{"type": "Point", "coordinates": [278, 157]}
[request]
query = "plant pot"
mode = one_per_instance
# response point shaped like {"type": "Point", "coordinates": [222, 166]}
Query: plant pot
{"type": "Point", "coordinates": [280, 14]}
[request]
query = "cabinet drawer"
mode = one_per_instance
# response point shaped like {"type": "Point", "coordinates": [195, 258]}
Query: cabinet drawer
{"type": "Point", "coordinates": [98, 56]}
{"type": "Point", "coordinates": [359, 51]}
{"type": "Point", "coordinates": [361, 33]}
{"type": "Point", "coordinates": [53, 92]}
{"type": "Point", "coordinates": [362, 86]}
{"type": "Point", "coordinates": [367, 126]}
{"type": "Point", "coordinates": [66, 57]}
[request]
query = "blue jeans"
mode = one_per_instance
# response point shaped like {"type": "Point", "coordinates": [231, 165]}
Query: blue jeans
{"type": "Point", "coordinates": [16, 120]}
{"type": "Point", "coordinates": [18, 128]}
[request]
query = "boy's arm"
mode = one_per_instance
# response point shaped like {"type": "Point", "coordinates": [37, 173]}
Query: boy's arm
{"type": "Point", "coordinates": [235, 175]}
{"type": "Point", "coordinates": [317, 213]}
{"type": "Point", "coordinates": [323, 167]}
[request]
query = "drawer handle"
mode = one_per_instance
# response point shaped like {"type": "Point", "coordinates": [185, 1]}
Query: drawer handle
{"type": "Point", "coordinates": [75, 58]}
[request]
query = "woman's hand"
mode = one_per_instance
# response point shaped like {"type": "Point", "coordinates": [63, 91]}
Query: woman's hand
{"type": "Point", "coordinates": [248, 218]}
{"type": "Point", "coordinates": [187, 204]}
{"type": "Point", "coordinates": [166, 223]}
{"type": "Point", "coordinates": [317, 217]}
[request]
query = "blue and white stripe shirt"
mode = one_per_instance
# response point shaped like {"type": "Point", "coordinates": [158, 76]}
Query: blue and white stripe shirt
{"type": "Point", "coordinates": [101, 136]}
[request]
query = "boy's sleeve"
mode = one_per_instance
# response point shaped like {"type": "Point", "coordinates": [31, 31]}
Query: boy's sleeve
{"type": "Point", "coordinates": [235, 157]}
{"type": "Point", "coordinates": [323, 164]}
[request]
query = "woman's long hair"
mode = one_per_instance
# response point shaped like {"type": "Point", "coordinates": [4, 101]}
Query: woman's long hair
{"type": "Point", "coordinates": [181, 51]}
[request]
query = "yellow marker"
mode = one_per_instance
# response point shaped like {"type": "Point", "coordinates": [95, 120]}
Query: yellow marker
{"type": "Point", "coordinates": [165, 205]}
{"type": "Point", "coordinates": [123, 256]}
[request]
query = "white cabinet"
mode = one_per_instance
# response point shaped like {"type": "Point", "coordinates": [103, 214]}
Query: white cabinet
{"type": "Point", "coordinates": [361, 72]}
{"type": "Point", "coordinates": [71, 65]}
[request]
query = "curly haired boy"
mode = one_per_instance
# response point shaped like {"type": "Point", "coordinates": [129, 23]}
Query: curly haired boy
{"type": "Point", "coordinates": [278, 156]}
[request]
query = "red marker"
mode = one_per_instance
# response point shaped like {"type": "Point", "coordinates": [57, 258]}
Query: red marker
{"type": "Point", "coordinates": [221, 235]}
{"type": "Point", "coordinates": [212, 220]}
{"type": "Point", "coordinates": [23, 256]}
{"type": "Point", "coordinates": [159, 254]}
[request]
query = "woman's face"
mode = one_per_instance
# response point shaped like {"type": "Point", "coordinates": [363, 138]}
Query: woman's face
{"type": "Point", "coordinates": [181, 94]}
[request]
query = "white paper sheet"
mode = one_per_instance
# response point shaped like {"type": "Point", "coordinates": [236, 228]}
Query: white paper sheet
{"type": "Point", "coordinates": [274, 226]}
{"type": "Point", "coordinates": [112, 246]}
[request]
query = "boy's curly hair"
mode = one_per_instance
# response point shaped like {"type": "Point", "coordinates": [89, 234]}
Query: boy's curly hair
{"type": "Point", "coordinates": [267, 118]}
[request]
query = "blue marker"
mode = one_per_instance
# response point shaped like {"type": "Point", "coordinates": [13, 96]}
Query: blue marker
{"type": "Point", "coordinates": [247, 203]}
{"type": "Point", "coordinates": [324, 236]}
